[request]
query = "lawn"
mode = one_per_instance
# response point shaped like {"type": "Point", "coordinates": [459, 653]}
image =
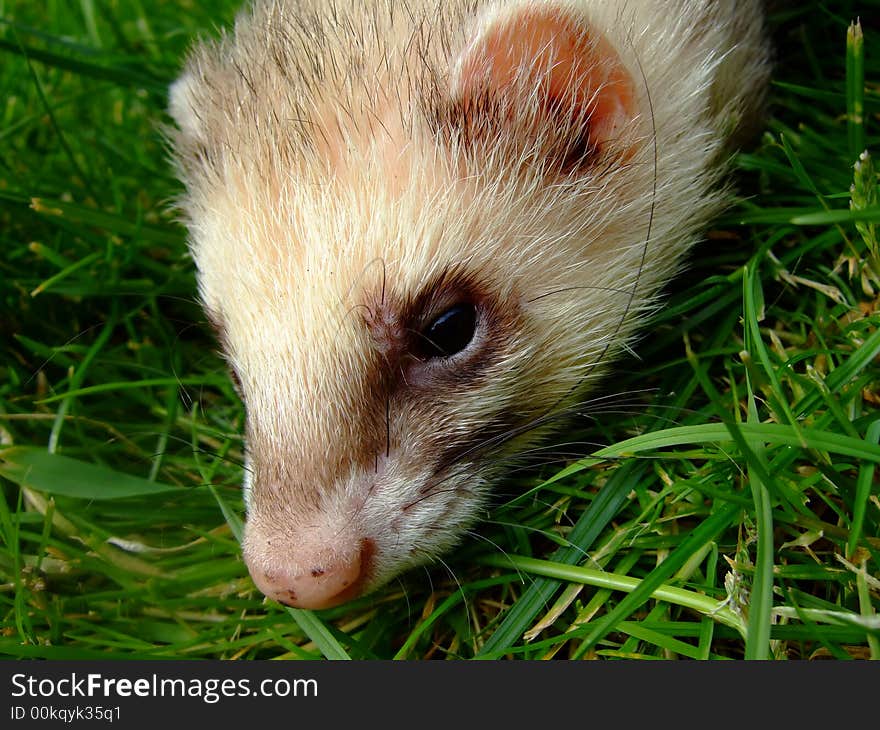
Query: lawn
{"type": "Point", "coordinates": [718, 500]}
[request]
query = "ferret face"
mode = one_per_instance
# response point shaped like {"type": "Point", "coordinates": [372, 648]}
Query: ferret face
{"type": "Point", "coordinates": [383, 375]}
{"type": "Point", "coordinates": [417, 242]}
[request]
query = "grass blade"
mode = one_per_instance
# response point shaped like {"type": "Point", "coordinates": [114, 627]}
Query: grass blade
{"type": "Point", "coordinates": [36, 468]}
{"type": "Point", "coordinates": [863, 494]}
{"type": "Point", "coordinates": [721, 519]}
{"type": "Point", "coordinates": [536, 597]}
{"type": "Point", "coordinates": [709, 607]}
{"type": "Point", "coordinates": [761, 601]}
{"type": "Point", "coordinates": [318, 632]}
{"type": "Point", "coordinates": [855, 89]}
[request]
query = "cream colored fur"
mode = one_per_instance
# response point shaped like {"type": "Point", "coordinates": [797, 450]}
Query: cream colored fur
{"type": "Point", "coordinates": [312, 183]}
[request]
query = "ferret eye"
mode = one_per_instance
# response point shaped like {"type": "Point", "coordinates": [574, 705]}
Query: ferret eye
{"type": "Point", "coordinates": [449, 333]}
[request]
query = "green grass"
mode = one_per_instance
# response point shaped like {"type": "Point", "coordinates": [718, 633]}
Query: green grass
{"type": "Point", "coordinates": [726, 504]}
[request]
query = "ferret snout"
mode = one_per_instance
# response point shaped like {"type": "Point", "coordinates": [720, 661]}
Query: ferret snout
{"type": "Point", "coordinates": [307, 571]}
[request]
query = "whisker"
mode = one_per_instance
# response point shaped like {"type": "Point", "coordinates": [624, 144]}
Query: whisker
{"type": "Point", "coordinates": [464, 597]}
{"type": "Point", "coordinates": [532, 425]}
{"type": "Point", "coordinates": [650, 225]}
{"type": "Point", "coordinates": [478, 536]}
{"type": "Point", "coordinates": [562, 290]}
{"type": "Point", "coordinates": [553, 536]}
{"type": "Point", "coordinates": [388, 427]}
{"type": "Point", "coordinates": [625, 404]}
{"type": "Point", "coordinates": [434, 493]}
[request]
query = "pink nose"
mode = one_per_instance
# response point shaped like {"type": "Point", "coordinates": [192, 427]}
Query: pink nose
{"type": "Point", "coordinates": [322, 585]}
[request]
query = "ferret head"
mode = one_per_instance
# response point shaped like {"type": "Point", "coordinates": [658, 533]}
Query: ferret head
{"type": "Point", "coordinates": [417, 238]}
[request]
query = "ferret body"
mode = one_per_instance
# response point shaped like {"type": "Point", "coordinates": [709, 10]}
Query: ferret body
{"type": "Point", "coordinates": [422, 229]}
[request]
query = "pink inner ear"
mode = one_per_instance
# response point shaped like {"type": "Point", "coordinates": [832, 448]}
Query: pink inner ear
{"type": "Point", "coordinates": [545, 50]}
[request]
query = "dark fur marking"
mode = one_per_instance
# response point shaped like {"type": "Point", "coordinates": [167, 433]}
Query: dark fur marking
{"type": "Point", "coordinates": [396, 326]}
{"type": "Point", "coordinates": [488, 436]}
{"type": "Point", "coordinates": [477, 124]}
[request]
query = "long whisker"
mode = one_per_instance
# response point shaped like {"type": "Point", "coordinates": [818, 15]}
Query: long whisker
{"type": "Point", "coordinates": [532, 425]}
{"type": "Point", "coordinates": [644, 255]}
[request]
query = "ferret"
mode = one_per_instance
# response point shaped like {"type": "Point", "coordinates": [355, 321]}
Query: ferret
{"type": "Point", "coordinates": [423, 229]}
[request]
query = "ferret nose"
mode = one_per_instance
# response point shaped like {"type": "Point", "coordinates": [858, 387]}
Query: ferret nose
{"type": "Point", "coordinates": [320, 583]}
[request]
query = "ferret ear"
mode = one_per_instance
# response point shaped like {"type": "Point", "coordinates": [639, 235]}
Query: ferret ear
{"type": "Point", "coordinates": [551, 73]}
